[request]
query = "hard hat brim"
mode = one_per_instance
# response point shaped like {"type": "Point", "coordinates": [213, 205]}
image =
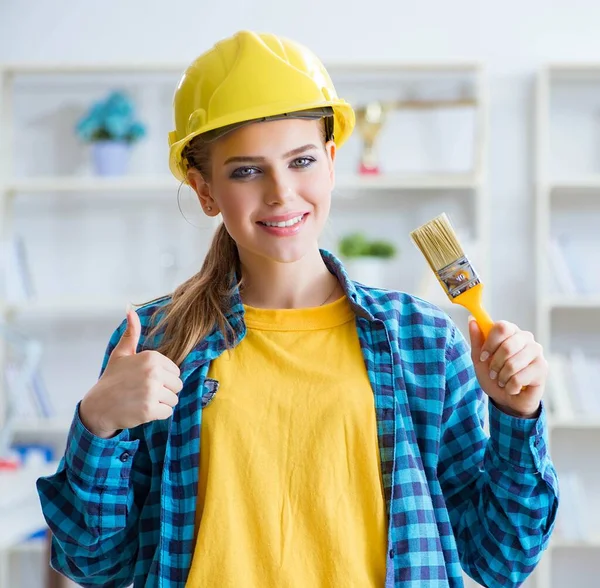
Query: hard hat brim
{"type": "Point", "coordinates": [344, 121]}
{"type": "Point", "coordinates": [312, 114]}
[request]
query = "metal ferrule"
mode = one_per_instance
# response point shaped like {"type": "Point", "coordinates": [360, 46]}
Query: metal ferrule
{"type": "Point", "coordinates": [458, 277]}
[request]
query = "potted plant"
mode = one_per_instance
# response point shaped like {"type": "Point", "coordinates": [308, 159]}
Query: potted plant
{"type": "Point", "coordinates": [366, 261]}
{"type": "Point", "coordinates": [111, 128]}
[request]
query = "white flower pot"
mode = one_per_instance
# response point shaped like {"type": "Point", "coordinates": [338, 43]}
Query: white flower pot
{"type": "Point", "coordinates": [370, 271]}
{"type": "Point", "coordinates": [110, 158]}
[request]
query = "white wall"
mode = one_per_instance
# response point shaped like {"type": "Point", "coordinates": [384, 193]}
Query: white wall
{"type": "Point", "coordinates": [512, 37]}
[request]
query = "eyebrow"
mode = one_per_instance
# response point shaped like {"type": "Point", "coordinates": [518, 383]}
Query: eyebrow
{"type": "Point", "coordinates": [253, 158]}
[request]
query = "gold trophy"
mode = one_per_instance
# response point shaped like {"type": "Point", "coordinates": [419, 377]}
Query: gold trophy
{"type": "Point", "coordinates": [370, 119]}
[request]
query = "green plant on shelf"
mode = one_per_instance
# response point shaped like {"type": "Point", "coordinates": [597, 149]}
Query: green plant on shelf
{"type": "Point", "coordinates": [357, 245]}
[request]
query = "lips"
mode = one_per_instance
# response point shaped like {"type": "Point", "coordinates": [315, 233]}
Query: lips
{"type": "Point", "coordinates": [284, 219]}
{"type": "Point", "coordinates": [284, 225]}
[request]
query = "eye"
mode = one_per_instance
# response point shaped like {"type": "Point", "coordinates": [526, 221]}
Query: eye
{"type": "Point", "coordinates": [302, 162]}
{"type": "Point", "coordinates": [244, 172]}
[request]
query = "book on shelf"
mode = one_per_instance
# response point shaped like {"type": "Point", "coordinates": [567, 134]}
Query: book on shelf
{"type": "Point", "coordinates": [572, 385]}
{"type": "Point", "coordinates": [36, 402]}
{"type": "Point", "coordinates": [23, 380]}
{"type": "Point", "coordinates": [571, 260]}
{"type": "Point", "coordinates": [17, 280]}
{"type": "Point", "coordinates": [23, 388]}
{"type": "Point", "coordinates": [585, 373]}
{"type": "Point", "coordinates": [558, 395]}
{"type": "Point", "coordinates": [564, 281]}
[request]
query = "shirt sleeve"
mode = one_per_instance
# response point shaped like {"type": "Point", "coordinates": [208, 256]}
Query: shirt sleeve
{"type": "Point", "coordinates": [92, 503]}
{"type": "Point", "coordinates": [501, 490]}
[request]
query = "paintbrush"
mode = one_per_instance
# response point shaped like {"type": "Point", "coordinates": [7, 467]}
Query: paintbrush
{"type": "Point", "coordinates": [440, 246]}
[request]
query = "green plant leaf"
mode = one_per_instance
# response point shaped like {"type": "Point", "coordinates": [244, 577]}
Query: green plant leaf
{"type": "Point", "coordinates": [383, 249]}
{"type": "Point", "coordinates": [357, 245]}
{"type": "Point", "coordinates": [353, 245]}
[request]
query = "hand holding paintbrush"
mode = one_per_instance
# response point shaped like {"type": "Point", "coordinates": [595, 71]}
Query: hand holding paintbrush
{"type": "Point", "coordinates": [509, 363]}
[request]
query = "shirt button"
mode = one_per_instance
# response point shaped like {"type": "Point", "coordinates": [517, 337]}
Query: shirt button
{"type": "Point", "coordinates": [125, 456]}
{"type": "Point", "coordinates": [391, 554]}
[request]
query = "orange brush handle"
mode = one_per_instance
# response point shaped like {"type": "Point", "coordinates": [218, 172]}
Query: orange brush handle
{"type": "Point", "coordinates": [472, 300]}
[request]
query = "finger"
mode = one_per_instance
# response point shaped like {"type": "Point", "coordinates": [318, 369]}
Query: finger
{"type": "Point", "coordinates": [128, 343]}
{"type": "Point", "coordinates": [171, 382]}
{"type": "Point", "coordinates": [507, 349]}
{"type": "Point", "coordinates": [517, 362]}
{"type": "Point", "coordinates": [501, 331]}
{"type": "Point", "coordinates": [477, 339]}
{"type": "Point", "coordinates": [529, 377]}
{"type": "Point", "coordinates": [162, 361]}
{"type": "Point", "coordinates": [162, 411]}
{"type": "Point", "coordinates": [165, 396]}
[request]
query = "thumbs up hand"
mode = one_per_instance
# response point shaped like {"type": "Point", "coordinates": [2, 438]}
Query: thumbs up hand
{"type": "Point", "coordinates": [135, 388]}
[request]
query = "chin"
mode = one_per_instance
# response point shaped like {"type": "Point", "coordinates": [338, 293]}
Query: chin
{"type": "Point", "coordinates": [283, 252]}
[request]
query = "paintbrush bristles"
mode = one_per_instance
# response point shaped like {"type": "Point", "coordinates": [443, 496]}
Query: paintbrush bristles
{"type": "Point", "coordinates": [438, 242]}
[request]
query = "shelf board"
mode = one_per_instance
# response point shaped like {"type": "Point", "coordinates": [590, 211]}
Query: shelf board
{"type": "Point", "coordinates": [345, 182]}
{"type": "Point", "coordinates": [590, 183]}
{"type": "Point", "coordinates": [568, 71]}
{"type": "Point", "coordinates": [143, 184]}
{"type": "Point", "coordinates": [90, 68]}
{"type": "Point", "coordinates": [65, 308]}
{"type": "Point", "coordinates": [35, 425]}
{"type": "Point", "coordinates": [406, 182]}
{"type": "Point", "coordinates": [575, 302]}
{"type": "Point", "coordinates": [576, 423]}
{"type": "Point", "coordinates": [561, 543]}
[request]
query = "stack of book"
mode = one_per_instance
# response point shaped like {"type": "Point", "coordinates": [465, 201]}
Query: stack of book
{"type": "Point", "coordinates": [573, 385]}
{"type": "Point", "coordinates": [23, 382]}
{"type": "Point", "coordinates": [16, 279]}
{"type": "Point", "coordinates": [570, 258]}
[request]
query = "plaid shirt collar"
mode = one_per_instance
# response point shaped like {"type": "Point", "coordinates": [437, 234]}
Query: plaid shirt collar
{"type": "Point", "coordinates": [213, 345]}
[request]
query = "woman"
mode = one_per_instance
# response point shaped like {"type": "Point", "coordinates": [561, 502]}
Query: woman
{"type": "Point", "coordinates": [273, 423]}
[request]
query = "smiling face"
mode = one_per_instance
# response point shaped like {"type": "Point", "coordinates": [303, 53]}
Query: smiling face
{"type": "Point", "coordinates": [272, 183]}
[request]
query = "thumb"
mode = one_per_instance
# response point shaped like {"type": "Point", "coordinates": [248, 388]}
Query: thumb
{"type": "Point", "coordinates": [130, 338]}
{"type": "Point", "coordinates": [477, 339]}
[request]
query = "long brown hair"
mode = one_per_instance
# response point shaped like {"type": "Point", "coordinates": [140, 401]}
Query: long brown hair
{"type": "Point", "coordinates": [202, 302]}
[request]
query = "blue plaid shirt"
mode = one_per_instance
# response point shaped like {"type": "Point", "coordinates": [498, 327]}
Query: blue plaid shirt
{"type": "Point", "coordinates": [122, 509]}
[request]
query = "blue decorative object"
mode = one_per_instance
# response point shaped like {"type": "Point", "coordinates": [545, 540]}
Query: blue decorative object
{"type": "Point", "coordinates": [110, 125]}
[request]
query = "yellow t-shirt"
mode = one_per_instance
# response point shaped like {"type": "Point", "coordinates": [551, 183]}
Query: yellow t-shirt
{"type": "Point", "coordinates": [290, 490]}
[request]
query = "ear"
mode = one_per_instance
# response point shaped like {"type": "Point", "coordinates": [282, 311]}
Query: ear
{"type": "Point", "coordinates": [331, 150]}
{"type": "Point", "coordinates": [202, 189]}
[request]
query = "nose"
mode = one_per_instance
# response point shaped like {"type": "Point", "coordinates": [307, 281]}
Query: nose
{"type": "Point", "coordinates": [278, 190]}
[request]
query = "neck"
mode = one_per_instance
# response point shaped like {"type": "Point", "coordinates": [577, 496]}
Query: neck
{"type": "Point", "coordinates": [300, 284]}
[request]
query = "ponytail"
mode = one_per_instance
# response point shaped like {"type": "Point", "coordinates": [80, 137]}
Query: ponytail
{"type": "Point", "coordinates": [200, 305]}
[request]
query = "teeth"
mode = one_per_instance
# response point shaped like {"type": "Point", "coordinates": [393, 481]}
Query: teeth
{"type": "Point", "coordinates": [287, 223]}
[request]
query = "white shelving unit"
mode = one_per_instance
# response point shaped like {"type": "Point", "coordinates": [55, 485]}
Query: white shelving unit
{"type": "Point", "coordinates": [567, 205]}
{"type": "Point", "coordinates": [422, 176]}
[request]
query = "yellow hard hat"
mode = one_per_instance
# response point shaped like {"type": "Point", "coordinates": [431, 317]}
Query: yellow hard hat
{"type": "Point", "coordinates": [251, 77]}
